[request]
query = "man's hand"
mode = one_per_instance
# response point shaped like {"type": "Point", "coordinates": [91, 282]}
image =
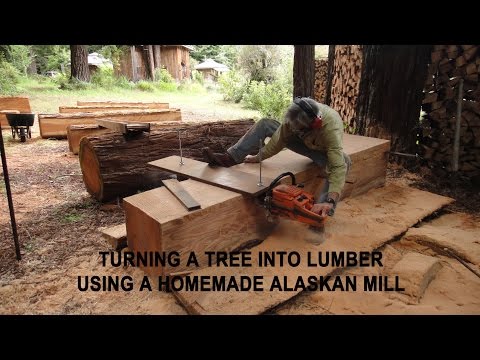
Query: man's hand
{"type": "Point", "coordinates": [322, 209]}
{"type": "Point", "coordinates": [251, 159]}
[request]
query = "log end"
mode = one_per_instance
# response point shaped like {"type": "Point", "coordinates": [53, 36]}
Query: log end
{"type": "Point", "coordinates": [90, 169]}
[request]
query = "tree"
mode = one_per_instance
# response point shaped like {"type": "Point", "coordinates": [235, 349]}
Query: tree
{"type": "Point", "coordinates": [224, 54]}
{"type": "Point", "coordinates": [21, 57]}
{"type": "Point", "coordinates": [390, 93]}
{"type": "Point", "coordinates": [304, 70]}
{"type": "Point", "coordinates": [51, 57]}
{"type": "Point", "coordinates": [79, 62]}
{"type": "Point", "coordinates": [260, 62]}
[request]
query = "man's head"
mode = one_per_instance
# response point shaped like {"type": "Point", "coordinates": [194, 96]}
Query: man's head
{"type": "Point", "coordinates": [303, 114]}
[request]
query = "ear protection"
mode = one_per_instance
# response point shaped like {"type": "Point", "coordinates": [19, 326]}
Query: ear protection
{"type": "Point", "coordinates": [305, 106]}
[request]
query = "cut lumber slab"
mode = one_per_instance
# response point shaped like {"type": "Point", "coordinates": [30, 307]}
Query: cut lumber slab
{"type": "Point", "coordinates": [157, 221]}
{"type": "Point", "coordinates": [226, 178]}
{"type": "Point", "coordinates": [55, 125]}
{"type": "Point", "coordinates": [104, 108]}
{"type": "Point", "coordinates": [416, 271]}
{"type": "Point", "coordinates": [363, 223]}
{"type": "Point", "coordinates": [20, 103]}
{"type": "Point", "coordinates": [176, 188]}
{"type": "Point", "coordinates": [113, 165]}
{"type": "Point", "coordinates": [150, 104]}
{"type": "Point", "coordinates": [115, 235]}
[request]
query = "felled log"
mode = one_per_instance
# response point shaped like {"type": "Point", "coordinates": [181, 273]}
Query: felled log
{"type": "Point", "coordinates": [114, 165]}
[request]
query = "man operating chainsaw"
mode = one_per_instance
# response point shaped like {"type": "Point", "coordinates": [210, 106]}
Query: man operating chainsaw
{"type": "Point", "coordinates": [309, 128]}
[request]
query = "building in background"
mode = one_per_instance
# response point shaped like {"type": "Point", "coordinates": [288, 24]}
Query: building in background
{"type": "Point", "coordinates": [211, 69]}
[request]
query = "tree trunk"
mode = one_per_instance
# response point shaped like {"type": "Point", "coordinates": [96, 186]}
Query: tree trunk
{"type": "Point", "coordinates": [113, 165]}
{"type": "Point", "coordinates": [304, 71]}
{"type": "Point", "coordinates": [79, 62]}
{"type": "Point", "coordinates": [151, 61]}
{"type": "Point", "coordinates": [330, 73]}
{"type": "Point", "coordinates": [156, 56]}
{"type": "Point", "coordinates": [390, 93]}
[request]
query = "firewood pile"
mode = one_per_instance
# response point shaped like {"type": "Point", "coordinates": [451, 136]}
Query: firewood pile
{"type": "Point", "coordinates": [320, 79]}
{"type": "Point", "coordinates": [346, 79]}
{"type": "Point", "coordinates": [449, 64]}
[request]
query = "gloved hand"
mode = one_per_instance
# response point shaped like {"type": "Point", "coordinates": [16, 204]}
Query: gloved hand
{"type": "Point", "coordinates": [251, 159]}
{"type": "Point", "coordinates": [323, 209]}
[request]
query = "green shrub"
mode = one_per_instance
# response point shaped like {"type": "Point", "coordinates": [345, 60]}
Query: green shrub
{"type": "Point", "coordinates": [124, 83]}
{"type": "Point", "coordinates": [233, 86]}
{"type": "Point", "coordinates": [198, 77]}
{"type": "Point", "coordinates": [162, 75]}
{"type": "Point", "coordinates": [192, 87]}
{"type": "Point", "coordinates": [170, 87]}
{"type": "Point", "coordinates": [66, 83]}
{"type": "Point", "coordinates": [103, 77]}
{"type": "Point", "coordinates": [272, 100]}
{"type": "Point", "coordinates": [9, 77]}
{"type": "Point", "coordinates": [145, 86]}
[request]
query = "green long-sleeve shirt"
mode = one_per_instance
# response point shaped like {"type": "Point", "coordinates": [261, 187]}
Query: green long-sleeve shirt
{"type": "Point", "coordinates": [328, 139]}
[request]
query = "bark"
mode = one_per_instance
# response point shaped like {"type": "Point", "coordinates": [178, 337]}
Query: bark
{"type": "Point", "coordinates": [304, 71]}
{"type": "Point", "coordinates": [114, 165]}
{"type": "Point", "coordinates": [390, 93]}
{"type": "Point", "coordinates": [79, 62]}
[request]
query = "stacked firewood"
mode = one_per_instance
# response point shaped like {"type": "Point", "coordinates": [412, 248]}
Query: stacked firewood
{"type": "Point", "coordinates": [449, 64]}
{"type": "Point", "coordinates": [346, 79]}
{"type": "Point", "coordinates": [320, 79]}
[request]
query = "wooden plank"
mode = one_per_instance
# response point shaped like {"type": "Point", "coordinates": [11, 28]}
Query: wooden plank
{"type": "Point", "coordinates": [150, 104]}
{"type": "Point", "coordinates": [55, 125]}
{"type": "Point", "coordinates": [364, 223]}
{"type": "Point", "coordinates": [117, 126]}
{"type": "Point", "coordinates": [226, 178]}
{"type": "Point", "coordinates": [20, 103]}
{"type": "Point", "coordinates": [181, 194]}
{"type": "Point", "coordinates": [99, 108]}
{"type": "Point", "coordinates": [115, 235]}
{"type": "Point", "coordinates": [157, 221]}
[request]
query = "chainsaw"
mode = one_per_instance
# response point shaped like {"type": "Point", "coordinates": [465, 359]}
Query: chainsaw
{"type": "Point", "coordinates": [292, 202]}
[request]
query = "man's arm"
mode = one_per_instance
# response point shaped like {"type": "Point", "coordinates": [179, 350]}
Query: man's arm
{"type": "Point", "coordinates": [337, 169]}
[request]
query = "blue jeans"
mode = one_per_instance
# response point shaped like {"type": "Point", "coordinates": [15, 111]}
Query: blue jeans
{"type": "Point", "coordinates": [265, 128]}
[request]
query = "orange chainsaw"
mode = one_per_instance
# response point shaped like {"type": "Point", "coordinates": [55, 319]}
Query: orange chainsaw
{"type": "Point", "coordinates": [292, 202]}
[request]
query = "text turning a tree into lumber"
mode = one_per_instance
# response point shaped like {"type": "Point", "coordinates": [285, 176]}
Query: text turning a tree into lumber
{"type": "Point", "coordinates": [264, 261]}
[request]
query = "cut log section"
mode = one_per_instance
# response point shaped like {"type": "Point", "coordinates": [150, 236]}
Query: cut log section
{"type": "Point", "coordinates": [156, 221]}
{"type": "Point", "coordinates": [55, 125]}
{"type": "Point", "coordinates": [99, 108]}
{"type": "Point", "coordinates": [151, 104]}
{"type": "Point", "coordinates": [115, 166]}
{"type": "Point", "coordinates": [19, 103]}
{"type": "Point", "coordinates": [115, 235]}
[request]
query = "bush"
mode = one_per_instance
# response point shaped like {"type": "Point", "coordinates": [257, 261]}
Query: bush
{"type": "Point", "coordinates": [145, 86]}
{"type": "Point", "coordinates": [162, 75]}
{"type": "Point", "coordinates": [198, 77]}
{"type": "Point", "coordinates": [124, 83]}
{"type": "Point", "coordinates": [67, 83]}
{"type": "Point", "coordinates": [9, 77]}
{"type": "Point", "coordinates": [191, 87]}
{"type": "Point", "coordinates": [170, 87]}
{"type": "Point", "coordinates": [272, 100]}
{"type": "Point", "coordinates": [233, 86]}
{"type": "Point", "coordinates": [103, 77]}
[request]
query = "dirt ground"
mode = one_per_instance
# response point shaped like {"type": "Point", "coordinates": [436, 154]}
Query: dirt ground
{"type": "Point", "coordinates": [58, 221]}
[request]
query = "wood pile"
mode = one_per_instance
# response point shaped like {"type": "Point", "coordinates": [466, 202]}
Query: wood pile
{"type": "Point", "coordinates": [320, 79]}
{"type": "Point", "coordinates": [347, 70]}
{"type": "Point", "coordinates": [449, 64]}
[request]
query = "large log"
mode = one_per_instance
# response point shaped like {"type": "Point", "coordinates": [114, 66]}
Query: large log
{"type": "Point", "coordinates": [102, 108]}
{"type": "Point", "coordinates": [55, 125]}
{"type": "Point", "coordinates": [75, 133]}
{"type": "Point", "coordinates": [114, 165]}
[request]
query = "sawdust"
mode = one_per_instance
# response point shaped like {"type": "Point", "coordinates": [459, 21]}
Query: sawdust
{"type": "Point", "coordinates": [453, 290]}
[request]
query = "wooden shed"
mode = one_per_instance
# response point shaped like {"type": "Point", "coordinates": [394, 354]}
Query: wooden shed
{"type": "Point", "coordinates": [211, 69]}
{"type": "Point", "coordinates": [140, 61]}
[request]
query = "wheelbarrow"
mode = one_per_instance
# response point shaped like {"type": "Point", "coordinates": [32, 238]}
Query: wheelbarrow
{"type": "Point", "coordinates": [20, 124]}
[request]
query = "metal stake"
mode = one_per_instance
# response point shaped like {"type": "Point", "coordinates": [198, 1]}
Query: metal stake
{"type": "Point", "coordinates": [180, 143]}
{"type": "Point", "coordinates": [260, 158]}
{"type": "Point", "coordinates": [9, 197]}
{"type": "Point", "coordinates": [456, 140]}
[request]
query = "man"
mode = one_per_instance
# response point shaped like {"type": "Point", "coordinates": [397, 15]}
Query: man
{"type": "Point", "coordinates": [309, 128]}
